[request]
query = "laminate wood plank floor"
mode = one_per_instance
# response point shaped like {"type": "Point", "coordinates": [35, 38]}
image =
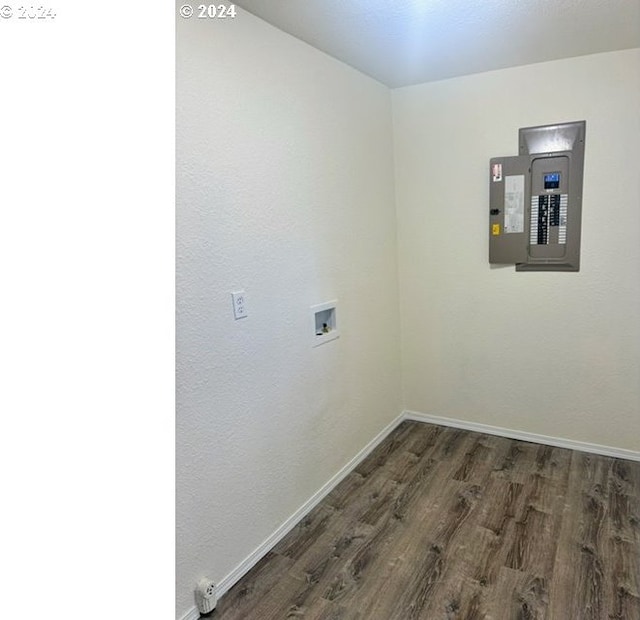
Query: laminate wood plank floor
{"type": "Point", "coordinates": [441, 524]}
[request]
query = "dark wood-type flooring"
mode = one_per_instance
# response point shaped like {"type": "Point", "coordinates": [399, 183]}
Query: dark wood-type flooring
{"type": "Point", "coordinates": [440, 523]}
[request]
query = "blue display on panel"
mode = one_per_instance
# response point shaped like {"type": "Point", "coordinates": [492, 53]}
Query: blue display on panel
{"type": "Point", "coordinates": [552, 180]}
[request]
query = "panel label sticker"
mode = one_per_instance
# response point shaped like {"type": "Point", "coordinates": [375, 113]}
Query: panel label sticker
{"type": "Point", "coordinates": [514, 203]}
{"type": "Point", "coordinates": [496, 173]}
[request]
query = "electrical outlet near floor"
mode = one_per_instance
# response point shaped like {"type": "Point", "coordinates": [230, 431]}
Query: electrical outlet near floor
{"type": "Point", "coordinates": [239, 305]}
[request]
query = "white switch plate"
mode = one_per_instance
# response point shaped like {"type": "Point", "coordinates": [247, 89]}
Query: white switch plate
{"type": "Point", "coordinates": [239, 305]}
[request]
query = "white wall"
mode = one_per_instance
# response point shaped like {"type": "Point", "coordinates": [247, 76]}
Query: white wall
{"type": "Point", "coordinates": [550, 353]}
{"type": "Point", "coordinates": [284, 189]}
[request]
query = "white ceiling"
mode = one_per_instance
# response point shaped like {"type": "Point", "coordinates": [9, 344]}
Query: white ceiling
{"type": "Point", "coordinates": [402, 42]}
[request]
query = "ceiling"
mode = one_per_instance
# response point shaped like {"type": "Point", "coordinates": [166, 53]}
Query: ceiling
{"type": "Point", "coordinates": [403, 42]}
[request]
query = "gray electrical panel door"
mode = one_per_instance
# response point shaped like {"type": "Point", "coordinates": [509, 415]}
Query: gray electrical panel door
{"type": "Point", "coordinates": [508, 209]}
{"type": "Point", "coordinates": [535, 200]}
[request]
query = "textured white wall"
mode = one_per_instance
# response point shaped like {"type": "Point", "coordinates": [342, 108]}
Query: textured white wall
{"type": "Point", "coordinates": [550, 353]}
{"type": "Point", "coordinates": [284, 189]}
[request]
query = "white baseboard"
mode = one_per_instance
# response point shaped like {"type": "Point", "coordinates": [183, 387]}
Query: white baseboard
{"type": "Point", "coordinates": [249, 562]}
{"type": "Point", "coordinates": [192, 614]}
{"type": "Point", "coordinates": [558, 442]}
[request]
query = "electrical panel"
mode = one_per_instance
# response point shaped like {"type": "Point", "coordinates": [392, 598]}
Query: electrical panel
{"type": "Point", "coordinates": [535, 200]}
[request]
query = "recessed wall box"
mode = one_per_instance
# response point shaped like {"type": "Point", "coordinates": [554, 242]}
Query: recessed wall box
{"type": "Point", "coordinates": [535, 200]}
{"type": "Point", "coordinates": [325, 322]}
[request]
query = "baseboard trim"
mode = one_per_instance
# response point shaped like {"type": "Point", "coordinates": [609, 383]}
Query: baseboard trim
{"type": "Point", "coordinates": [250, 561]}
{"type": "Point", "coordinates": [558, 442]}
{"type": "Point", "coordinates": [192, 614]}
